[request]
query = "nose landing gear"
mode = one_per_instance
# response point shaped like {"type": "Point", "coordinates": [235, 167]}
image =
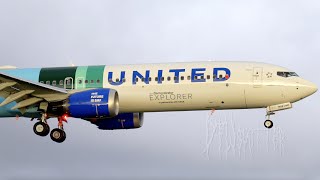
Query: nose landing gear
{"type": "Point", "coordinates": [268, 123]}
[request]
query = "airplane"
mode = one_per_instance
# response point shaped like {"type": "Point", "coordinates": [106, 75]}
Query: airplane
{"type": "Point", "coordinates": [115, 97]}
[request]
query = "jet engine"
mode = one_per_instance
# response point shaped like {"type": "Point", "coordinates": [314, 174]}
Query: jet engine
{"type": "Point", "coordinates": [122, 121]}
{"type": "Point", "coordinates": [94, 103]}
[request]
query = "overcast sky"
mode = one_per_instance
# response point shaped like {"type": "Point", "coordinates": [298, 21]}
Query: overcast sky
{"type": "Point", "coordinates": [43, 33]}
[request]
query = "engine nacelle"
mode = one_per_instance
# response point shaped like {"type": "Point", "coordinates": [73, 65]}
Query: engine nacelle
{"type": "Point", "coordinates": [122, 121]}
{"type": "Point", "coordinates": [94, 103]}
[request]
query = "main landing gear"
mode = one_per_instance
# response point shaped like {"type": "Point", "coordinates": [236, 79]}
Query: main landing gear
{"type": "Point", "coordinates": [58, 135]}
{"type": "Point", "coordinates": [42, 128]}
{"type": "Point", "coordinates": [268, 123]}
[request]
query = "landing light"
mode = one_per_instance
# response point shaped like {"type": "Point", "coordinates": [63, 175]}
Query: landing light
{"type": "Point", "coordinates": [64, 117]}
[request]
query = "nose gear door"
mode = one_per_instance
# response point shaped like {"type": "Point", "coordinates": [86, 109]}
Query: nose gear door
{"type": "Point", "coordinates": [257, 77]}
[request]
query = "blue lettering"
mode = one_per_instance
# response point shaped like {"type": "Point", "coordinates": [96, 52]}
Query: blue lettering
{"type": "Point", "coordinates": [176, 74]}
{"type": "Point", "coordinates": [145, 78]}
{"type": "Point", "coordinates": [160, 76]}
{"type": "Point", "coordinates": [110, 75]}
{"type": "Point", "coordinates": [195, 74]}
{"type": "Point", "coordinates": [217, 73]}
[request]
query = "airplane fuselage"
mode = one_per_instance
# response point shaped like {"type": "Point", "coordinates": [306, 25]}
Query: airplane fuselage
{"type": "Point", "coordinates": [115, 97]}
{"type": "Point", "coordinates": [177, 86]}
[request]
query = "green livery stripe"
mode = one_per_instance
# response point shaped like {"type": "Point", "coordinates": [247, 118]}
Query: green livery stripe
{"type": "Point", "coordinates": [59, 75]}
{"type": "Point", "coordinates": [81, 75]}
{"type": "Point", "coordinates": [94, 76]}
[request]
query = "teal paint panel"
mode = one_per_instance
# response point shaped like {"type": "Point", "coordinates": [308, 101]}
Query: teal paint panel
{"type": "Point", "coordinates": [80, 77]}
{"type": "Point", "coordinates": [6, 111]}
{"type": "Point", "coordinates": [94, 76]}
{"type": "Point", "coordinates": [31, 74]}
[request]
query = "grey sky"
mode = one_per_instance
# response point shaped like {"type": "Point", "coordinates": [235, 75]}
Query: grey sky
{"type": "Point", "coordinates": [38, 33]}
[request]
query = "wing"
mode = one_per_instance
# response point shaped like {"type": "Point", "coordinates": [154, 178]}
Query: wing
{"type": "Point", "coordinates": [28, 93]}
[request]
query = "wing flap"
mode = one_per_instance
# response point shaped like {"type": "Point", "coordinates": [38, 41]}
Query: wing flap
{"type": "Point", "coordinates": [52, 97]}
{"type": "Point", "coordinates": [15, 96]}
{"type": "Point", "coordinates": [6, 84]}
{"type": "Point", "coordinates": [26, 103]}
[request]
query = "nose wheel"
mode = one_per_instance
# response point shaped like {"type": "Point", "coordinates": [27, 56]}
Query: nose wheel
{"type": "Point", "coordinates": [268, 124]}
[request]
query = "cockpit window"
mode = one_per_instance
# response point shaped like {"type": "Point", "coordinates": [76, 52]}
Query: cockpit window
{"type": "Point", "coordinates": [287, 74]}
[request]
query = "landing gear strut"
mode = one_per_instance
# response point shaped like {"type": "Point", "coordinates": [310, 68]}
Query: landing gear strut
{"type": "Point", "coordinates": [41, 128]}
{"type": "Point", "coordinates": [268, 123]}
{"type": "Point", "coordinates": [58, 135]}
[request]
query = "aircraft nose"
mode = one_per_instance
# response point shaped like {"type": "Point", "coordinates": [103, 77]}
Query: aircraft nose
{"type": "Point", "coordinates": [310, 88]}
{"type": "Point", "coordinates": [314, 88]}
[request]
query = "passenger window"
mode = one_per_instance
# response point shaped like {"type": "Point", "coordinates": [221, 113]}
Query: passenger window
{"type": "Point", "coordinates": [220, 76]}
{"type": "Point", "coordinates": [156, 79]}
{"type": "Point", "coordinates": [61, 82]}
{"type": "Point", "coordinates": [92, 81]}
{"type": "Point", "coordinates": [208, 76]}
{"type": "Point", "coordinates": [86, 81]}
{"type": "Point", "coordinates": [54, 83]}
{"type": "Point", "coordinates": [175, 78]}
{"type": "Point", "coordinates": [202, 77]}
{"type": "Point", "coordinates": [189, 77]}
{"type": "Point", "coordinates": [124, 80]}
{"type": "Point", "coordinates": [162, 78]}
{"type": "Point", "coordinates": [182, 78]}
{"type": "Point", "coordinates": [48, 82]}
{"type": "Point", "coordinates": [150, 79]}
{"type": "Point", "coordinates": [98, 81]}
{"type": "Point", "coordinates": [42, 82]}
{"type": "Point", "coordinates": [168, 78]}
{"type": "Point", "coordinates": [117, 80]}
{"type": "Point", "coordinates": [137, 79]}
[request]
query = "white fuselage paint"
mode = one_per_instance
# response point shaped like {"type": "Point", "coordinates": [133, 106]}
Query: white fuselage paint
{"type": "Point", "coordinates": [251, 85]}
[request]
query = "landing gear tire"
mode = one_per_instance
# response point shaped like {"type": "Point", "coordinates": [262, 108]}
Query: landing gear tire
{"type": "Point", "coordinates": [58, 135]}
{"type": "Point", "coordinates": [41, 129]}
{"type": "Point", "coordinates": [268, 124]}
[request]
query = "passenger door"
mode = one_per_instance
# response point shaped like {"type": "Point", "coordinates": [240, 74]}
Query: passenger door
{"type": "Point", "coordinates": [257, 77]}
